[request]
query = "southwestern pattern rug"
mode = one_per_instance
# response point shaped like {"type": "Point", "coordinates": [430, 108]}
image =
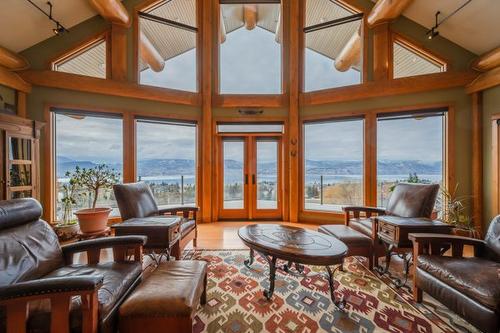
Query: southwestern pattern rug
{"type": "Point", "coordinates": [301, 301]}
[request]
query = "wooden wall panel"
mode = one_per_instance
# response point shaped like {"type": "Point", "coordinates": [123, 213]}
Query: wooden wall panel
{"type": "Point", "coordinates": [477, 161]}
{"type": "Point", "coordinates": [118, 53]}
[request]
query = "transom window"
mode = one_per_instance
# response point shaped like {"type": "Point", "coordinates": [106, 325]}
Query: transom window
{"type": "Point", "coordinates": [167, 45]}
{"type": "Point", "coordinates": [250, 36]}
{"type": "Point", "coordinates": [333, 40]}
{"type": "Point", "coordinates": [90, 59]}
{"type": "Point", "coordinates": [409, 60]}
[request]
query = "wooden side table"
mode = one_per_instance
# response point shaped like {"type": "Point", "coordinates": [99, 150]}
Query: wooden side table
{"type": "Point", "coordinates": [393, 234]}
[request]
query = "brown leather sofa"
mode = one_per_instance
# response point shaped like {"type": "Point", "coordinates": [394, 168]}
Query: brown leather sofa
{"type": "Point", "coordinates": [35, 268]}
{"type": "Point", "coordinates": [468, 286]}
{"type": "Point", "coordinates": [135, 200]}
{"type": "Point", "coordinates": [406, 200]}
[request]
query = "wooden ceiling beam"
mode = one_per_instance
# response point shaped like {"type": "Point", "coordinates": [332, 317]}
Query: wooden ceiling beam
{"type": "Point", "coordinates": [484, 81]}
{"type": "Point", "coordinates": [350, 53]}
{"type": "Point", "coordinates": [113, 11]}
{"type": "Point", "coordinates": [60, 80]}
{"type": "Point", "coordinates": [12, 61]}
{"type": "Point", "coordinates": [487, 61]}
{"type": "Point", "coordinates": [250, 16]}
{"type": "Point", "coordinates": [386, 10]}
{"type": "Point", "coordinates": [149, 54]}
{"type": "Point", "coordinates": [13, 80]}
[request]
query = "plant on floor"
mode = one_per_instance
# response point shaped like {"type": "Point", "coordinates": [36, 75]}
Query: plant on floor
{"type": "Point", "coordinates": [91, 181]}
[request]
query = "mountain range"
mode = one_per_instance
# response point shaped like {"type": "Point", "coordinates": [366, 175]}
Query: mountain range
{"type": "Point", "coordinates": [174, 167]}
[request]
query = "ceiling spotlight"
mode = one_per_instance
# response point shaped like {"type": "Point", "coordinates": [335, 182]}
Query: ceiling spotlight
{"type": "Point", "coordinates": [432, 33]}
{"type": "Point", "coordinates": [59, 29]}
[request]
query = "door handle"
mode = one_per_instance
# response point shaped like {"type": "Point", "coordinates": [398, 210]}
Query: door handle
{"type": "Point", "coordinates": [253, 179]}
{"type": "Point", "coordinates": [246, 179]}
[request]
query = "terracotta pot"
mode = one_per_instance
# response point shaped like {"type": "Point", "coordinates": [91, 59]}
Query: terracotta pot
{"type": "Point", "coordinates": [66, 231]}
{"type": "Point", "coordinates": [93, 219]}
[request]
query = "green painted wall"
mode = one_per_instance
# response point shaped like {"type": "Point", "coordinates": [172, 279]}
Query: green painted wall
{"type": "Point", "coordinates": [491, 106]}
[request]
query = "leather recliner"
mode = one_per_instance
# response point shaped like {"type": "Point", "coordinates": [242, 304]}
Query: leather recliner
{"type": "Point", "coordinates": [406, 200]}
{"type": "Point", "coordinates": [468, 286]}
{"type": "Point", "coordinates": [136, 200]}
{"type": "Point", "coordinates": [35, 268]}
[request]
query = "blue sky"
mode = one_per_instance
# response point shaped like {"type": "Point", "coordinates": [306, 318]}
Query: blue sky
{"type": "Point", "coordinates": [250, 63]}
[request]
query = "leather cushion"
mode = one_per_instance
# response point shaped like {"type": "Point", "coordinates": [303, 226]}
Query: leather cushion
{"type": "Point", "coordinates": [412, 200]}
{"type": "Point", "coordinates": [187, 226]}
{"type": "Point", "coordinates": [28, 252]}
{"type": "Point", "coordinates": [363, 225]}
{"type": "Point", "coordinates": [477, 278]}
{"type": "Point", "coordinates": [492, 239]}
{"type": "Point", "coordinates": [18, 212]}
{"type": "Point", "coordinates": [135, 200]}
{"type": "Point", "coordinates": [173, 289]}
{"type": "Point", "coordinates": [347, 235]}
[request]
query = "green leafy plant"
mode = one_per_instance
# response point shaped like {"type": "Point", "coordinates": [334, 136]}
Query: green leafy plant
{"type": "Point", "coordinates": [95, 179]}
{"type": "Point", "coordinates": [454, 209]}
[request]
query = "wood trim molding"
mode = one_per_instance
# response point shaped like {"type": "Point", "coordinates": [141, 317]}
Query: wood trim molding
{"type": "Point", "coordinates": [109, 87]}
{"type": "Point", "coordinates": [487, 61]}
{"type": "Point", "coordinates": [118, 53]}
{"type": "Point", "coordinates": [21, 104]}
{"type": "Point", "coordinates": [232, 101]}
{"type": "Point", "coordinates": [13, 80]}
{"type": "Point", "coordinates": [495, 156]}
{"type": "Point", "coordinates": [477, 160]}
{"type": "Point", "coordinates": [402, 86]}
{"type": "Point", "coordinates": [382, 52]}
{"type": "Point", "coordinates": [485, 81]}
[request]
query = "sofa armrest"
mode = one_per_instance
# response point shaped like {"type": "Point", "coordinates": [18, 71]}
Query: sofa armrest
{"type": "Point", "coordinates": [119, 244]}
{"type": "Point", "coordinates": [425, 242]}
{"type": "Point", "coordinates": [43, 287]}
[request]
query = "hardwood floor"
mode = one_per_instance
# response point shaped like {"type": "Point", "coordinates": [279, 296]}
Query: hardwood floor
{"type": "Point", "coordinates": [224, 235]}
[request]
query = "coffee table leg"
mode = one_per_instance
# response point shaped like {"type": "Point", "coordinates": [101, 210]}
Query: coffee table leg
{"type": "Point", "coordinates": [272, 276]}
{"type": "Point", "coordinates": [339, 303]}
{"type": "Point", "coordinates": [248, 262]}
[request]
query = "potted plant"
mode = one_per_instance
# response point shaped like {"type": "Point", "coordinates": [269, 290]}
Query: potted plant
{"type": "Point", "coordinates": [92, 181]}
{"type": "Point", "coordinates": [67, 228]}
{"type": "Point", "coordinates": [453, 213]}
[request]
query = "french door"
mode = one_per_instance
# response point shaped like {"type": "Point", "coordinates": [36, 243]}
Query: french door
{"type": "Point", "coordinates": [249, 177]}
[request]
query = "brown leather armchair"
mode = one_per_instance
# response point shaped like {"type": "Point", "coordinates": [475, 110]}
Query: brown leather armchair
{"type": "Point", "coordinates": [135, 200]}
{"type": "Point", "coordinates": [468, 286]}
{"type": "Point", "coordinates": [63, 296]}
{"type": "Point", "coordinates": [406, 200]}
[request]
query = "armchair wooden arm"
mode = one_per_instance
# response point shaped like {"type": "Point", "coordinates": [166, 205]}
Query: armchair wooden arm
{"type": "Point", "coordinates": [432, 243]}
{"type": "Point", "coordinates": [185, 210]}
{"type": "Point", "coordinates": [16, 297]}
{"type": "Point", "coordinates": [357, 210]}
{"type": "Point", "coordinates": [120, 245]}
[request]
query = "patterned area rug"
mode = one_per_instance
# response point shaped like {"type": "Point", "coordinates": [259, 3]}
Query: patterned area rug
{"type": "Point", "coordinates": [301, 302]}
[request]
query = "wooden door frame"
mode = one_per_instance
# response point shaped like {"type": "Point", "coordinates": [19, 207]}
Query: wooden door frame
{"type": "Point", "coordinates": [249, 211]}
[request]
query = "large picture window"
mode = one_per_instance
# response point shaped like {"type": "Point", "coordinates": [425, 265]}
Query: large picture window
{"type": "Point", "coordinates": [333, 41]}
{"type": "Point", "coordinates": [410, 148]}
{"type": "Point", "coordinates": [333, 164]}
{"type": "Point", "coordinates": [166, 160]}
{"type": "Point", "coordinates": [167, 45]}
{"type": "Point", "coordinates": [85, 140]}
{"type": "Point", "coordinates": [250, 48]}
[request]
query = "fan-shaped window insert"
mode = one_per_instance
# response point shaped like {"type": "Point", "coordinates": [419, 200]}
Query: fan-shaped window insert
{"type": "Point", "coordinates": [334, 43]}
{"type": "Point", "coordinates": [250, 37]}
{"type": "Point", "coordinates": [167, 45]}
{"type": "Point", "coordinates": [89, 60]}
{"type": "Point", "coordinates": [411, 61]}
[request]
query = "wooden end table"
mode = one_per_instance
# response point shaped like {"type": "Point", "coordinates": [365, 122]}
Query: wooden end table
{"type": "Point", "coordinates": [393, 234]}
{"type": "Point", "coordinates": [296, 246]}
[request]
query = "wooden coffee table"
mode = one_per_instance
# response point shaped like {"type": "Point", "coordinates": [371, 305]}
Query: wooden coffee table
{"type": "Point", "coordinates": [297, 246]}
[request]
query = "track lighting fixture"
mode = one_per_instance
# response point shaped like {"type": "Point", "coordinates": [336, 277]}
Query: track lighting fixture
{"type": "Point", "coordinates": [59, 28]}
{"type": "Point", "coordinates": [433, 32]}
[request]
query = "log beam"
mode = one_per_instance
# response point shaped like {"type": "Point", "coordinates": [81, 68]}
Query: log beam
{"type": "Point", "coordinates": [484, 81]}
{"type": "Point", "coordinates": [11, 60]}
{"type": "Point", "coordinates": [112, 10]}
{"type": "Point", "coordinates": [350, 54]}
{"type": "Point", "coordinates": [386, 10]}
{"type": "Point", "coordinates": [149, 54]}
{"type": "Point", "coordinates": [13, 80]}
{"type": "Point", "coordinates": [487, 61]}
{"type": "Point", "coordinates": [250, 16]}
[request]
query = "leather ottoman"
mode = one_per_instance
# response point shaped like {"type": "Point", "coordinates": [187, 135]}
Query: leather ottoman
{"type": "Point", "coordinates": [167, 300]}
{"type": "Point", "coordinates": [358, 244]}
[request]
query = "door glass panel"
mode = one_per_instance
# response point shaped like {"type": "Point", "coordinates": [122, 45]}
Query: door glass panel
{"type": "Point", "coordinates": [234, 174]}
{"type": "Point", "coordinates": [20, 149]}
{"type": "Point", "coordinates": [21, 194]}
{"type": "Point", "coordinates": [20, 175]}
{"type": "Point", "coordinates": [267, 174]}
